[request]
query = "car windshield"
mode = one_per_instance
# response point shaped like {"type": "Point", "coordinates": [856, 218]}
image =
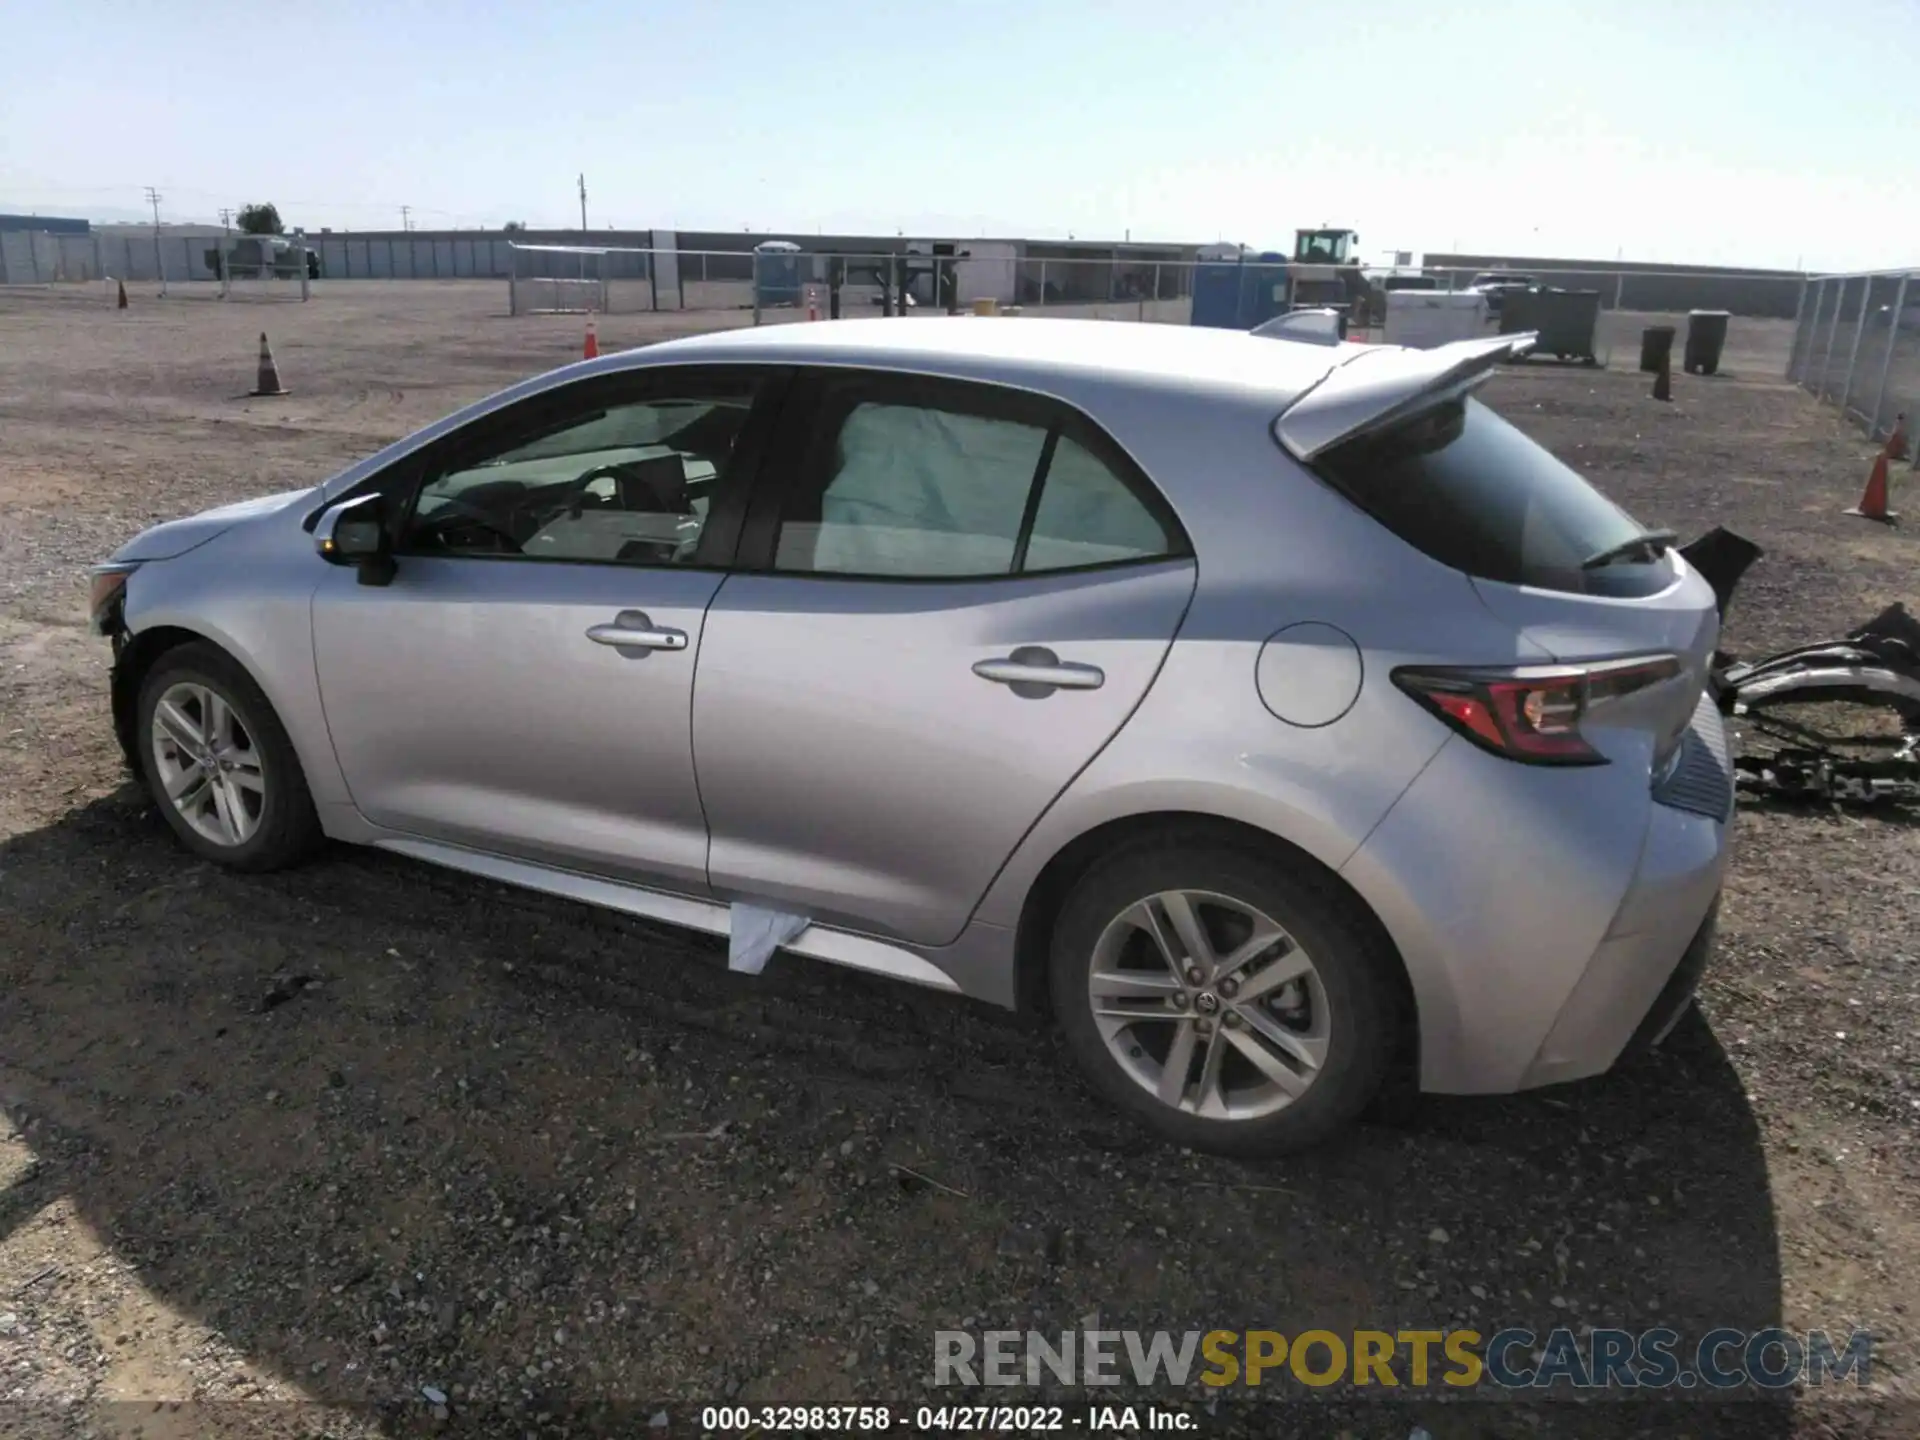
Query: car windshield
{"type": "Point", "coordinates": [1473, 491]}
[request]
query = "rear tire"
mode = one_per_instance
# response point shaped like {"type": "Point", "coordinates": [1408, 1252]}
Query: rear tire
{"type": "Point", "coordinates": [219, 764]}
{"type": "Point", "coordinates": [1268, 1066]}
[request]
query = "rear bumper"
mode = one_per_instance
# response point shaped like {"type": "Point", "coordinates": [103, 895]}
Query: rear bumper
{"type": "Point", "coordinates": [1577, 925]}
{"type": "Point", "coordinates": [1614, 1014]}
{"type": "Point", "coordinates": [1676, 996]}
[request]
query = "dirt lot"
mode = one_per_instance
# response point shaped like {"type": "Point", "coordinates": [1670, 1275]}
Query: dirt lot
{"type": "Point", "coordinates": [290, 1149]}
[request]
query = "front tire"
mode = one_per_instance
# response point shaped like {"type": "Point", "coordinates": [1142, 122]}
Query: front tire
{"type": "Point", "coordinates": [1230, 1004]}
{"type": "Point", "coordinates": [219, 764]}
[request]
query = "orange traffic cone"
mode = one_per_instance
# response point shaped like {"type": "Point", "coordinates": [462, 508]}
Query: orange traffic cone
{"type": "Point", "coordinates": [593, 342]}
{"type": "Point", "coordinates": [1873, 500]}
{"type": "Point", "coordinates": [1897, 442]}
{"type": "Point", "coordinates": [1663, 380]}
{"type": "Point", "coordinates": [268, 381]}
{"type": "Point", "coordinates": [121, 303]}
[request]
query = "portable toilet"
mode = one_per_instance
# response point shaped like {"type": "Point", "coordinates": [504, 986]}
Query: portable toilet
{"type": "Point", "coordinates": [1265, 290]}
{"type": "Point", "coordinates": [1235, 289]}
{"type": "Point", "coordinates": [776, 273]}
{"type": "Point", "coordinates": [1216, 287]}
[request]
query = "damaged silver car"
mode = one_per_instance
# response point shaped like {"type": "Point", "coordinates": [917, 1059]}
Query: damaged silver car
{"type": "Point", "coordinates": [1268, 711]}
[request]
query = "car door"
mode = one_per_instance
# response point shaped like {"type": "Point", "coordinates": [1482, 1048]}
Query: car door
{"type": "Point", "coordinates": [523, 684]}
{"type": "Point", "coordinates": [944, 606]}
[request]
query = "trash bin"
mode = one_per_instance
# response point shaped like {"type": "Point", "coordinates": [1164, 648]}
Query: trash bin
{"type": "Point", "coordinates": [776, 274]}
{"type": "Point", "coordinates": [1706, 338]}
{"type": "Point", "coordinates": [1566, 321]}
{"type": "Point", "coordinates": [1656, 348]}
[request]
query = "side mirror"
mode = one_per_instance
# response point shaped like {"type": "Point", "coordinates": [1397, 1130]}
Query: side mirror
{"type": "Point", "coordinates": [355, 534]}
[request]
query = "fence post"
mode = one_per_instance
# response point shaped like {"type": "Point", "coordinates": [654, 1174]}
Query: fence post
{"type": "Point", "coordinates": [1820, 288]}
{"type": "Point", "coordinates": [1043, 284]}
{"type": "Point", "coordinates": [1859, 334]}
{"type": "Point", "coordinates": [756, 287]}
{"type": "Point", "coordinates": [1886, 361]}
{"type": "Point", "coordinates": [1619, 286]}
{"type": "Point", "coordinates": [1799, 316]}
{"type": "Point", "coordinates": [653, 276]}
{"type": "Point", "coordinates": [1833, 334]}
{"type": "Point", "coordinates": [1156, 289]}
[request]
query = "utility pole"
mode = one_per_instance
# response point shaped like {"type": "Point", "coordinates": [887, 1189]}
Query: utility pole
{"type": "Point", "coordinates": [406, 217]}
{"type": "Point", "coordinates": [584, 240]}
{"type": "Point", "coordinates": [159, 261]}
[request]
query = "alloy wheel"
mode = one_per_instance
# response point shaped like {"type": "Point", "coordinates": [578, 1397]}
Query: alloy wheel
{"type": "Point", "coordinates": [207, 765]}
{"type": "Point", "coordinates": [1209, 1004]}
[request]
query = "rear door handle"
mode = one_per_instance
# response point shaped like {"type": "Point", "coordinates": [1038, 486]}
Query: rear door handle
{"type": "Point", "coordinates": [633, 630]}
{"type": "Point", "coordinates": [1033, 671]}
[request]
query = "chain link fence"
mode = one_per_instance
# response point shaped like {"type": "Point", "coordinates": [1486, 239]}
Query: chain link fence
{"type": "Point", "coordinates": [1856, 343]}
{"type": "Point", "coordinates": [1837, 349]}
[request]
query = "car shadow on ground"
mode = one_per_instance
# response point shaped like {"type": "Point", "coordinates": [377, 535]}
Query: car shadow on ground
{"type": "Point", "coordinates": [386, 1128]}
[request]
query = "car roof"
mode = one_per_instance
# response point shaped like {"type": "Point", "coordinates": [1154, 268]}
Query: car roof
{"type": "Point", "coordinates": [1030, 351]}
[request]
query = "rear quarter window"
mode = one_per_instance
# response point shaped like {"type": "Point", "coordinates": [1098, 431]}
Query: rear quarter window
{"type": "Point", "coordinates": [1473, 491]}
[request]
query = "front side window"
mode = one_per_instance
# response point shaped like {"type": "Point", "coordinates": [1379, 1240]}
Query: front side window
{"type": "Point", "coordinates": [623, 481]}
{"type": "Point", "coordinates": [914, 488]}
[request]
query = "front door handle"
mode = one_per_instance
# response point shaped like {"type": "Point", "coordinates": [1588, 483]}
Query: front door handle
{"type": "Point", "coordinates": [1033, 672]}
{"type": "Point", "coordinates": [633, 630]}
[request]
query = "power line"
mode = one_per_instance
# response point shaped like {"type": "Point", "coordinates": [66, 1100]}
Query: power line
{"type": "Point", "coordinates": [406, 217]}
{"type": "Point", "coordinates": [583, 203]}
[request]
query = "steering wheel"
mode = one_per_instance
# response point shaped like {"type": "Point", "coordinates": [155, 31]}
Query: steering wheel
{"type": "Point", "coordinates": [454, 515]}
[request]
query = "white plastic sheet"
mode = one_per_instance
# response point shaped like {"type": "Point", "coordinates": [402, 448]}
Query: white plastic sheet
{"type": "Point", "coordinates": [754, 933]}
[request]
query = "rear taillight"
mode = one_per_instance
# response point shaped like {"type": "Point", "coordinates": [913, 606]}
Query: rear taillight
{"type": "Point", "coordinates": [1532, 713]}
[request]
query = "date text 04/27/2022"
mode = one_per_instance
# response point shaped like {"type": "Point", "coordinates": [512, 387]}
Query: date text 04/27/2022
{"type": "Point", "coordinates": [945, 1419]}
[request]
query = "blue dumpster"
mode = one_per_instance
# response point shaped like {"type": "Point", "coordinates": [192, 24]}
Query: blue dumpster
{"type": "Point", "coordinates": [776, 273]}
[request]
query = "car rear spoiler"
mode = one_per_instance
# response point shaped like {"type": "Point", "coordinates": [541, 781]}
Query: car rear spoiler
{"type": "Point", "coordinates": [1319, 326]}
{"type": "Point", "coordinates": [1381, 385]}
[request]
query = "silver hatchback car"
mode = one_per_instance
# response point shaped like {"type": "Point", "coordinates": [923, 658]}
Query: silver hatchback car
{"type": "Point", "coordinates": [1269, 711]}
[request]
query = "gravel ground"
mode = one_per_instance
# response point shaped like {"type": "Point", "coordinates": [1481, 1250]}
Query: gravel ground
{"type": "Point", "coordinates": [369, 1148]}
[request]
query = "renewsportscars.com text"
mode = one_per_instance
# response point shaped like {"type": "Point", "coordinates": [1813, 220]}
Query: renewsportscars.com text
{"type": "Point", "coordinates": [1513, 1358]}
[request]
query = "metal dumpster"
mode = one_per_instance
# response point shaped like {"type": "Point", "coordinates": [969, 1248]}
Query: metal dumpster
{"type": "Point", "coordinates": [1421, 319]}
{"type": "Point", "coordinates": [1567, 321]}
{"type": "Point", "coordinates": [1706, 338]}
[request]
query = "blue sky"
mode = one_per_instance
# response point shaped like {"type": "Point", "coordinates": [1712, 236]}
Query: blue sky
{"type": "Point", "coordinates": [1768, 132]}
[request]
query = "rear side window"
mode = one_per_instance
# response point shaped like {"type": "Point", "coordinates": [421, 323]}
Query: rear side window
{"type": "Point", "coordinates": [1474, 492]}
{"type": "Point", "coordinates": [929, 480]}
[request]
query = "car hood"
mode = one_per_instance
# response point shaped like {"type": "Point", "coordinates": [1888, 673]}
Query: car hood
{"type": "Point", "coordinates": [176, 537]}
